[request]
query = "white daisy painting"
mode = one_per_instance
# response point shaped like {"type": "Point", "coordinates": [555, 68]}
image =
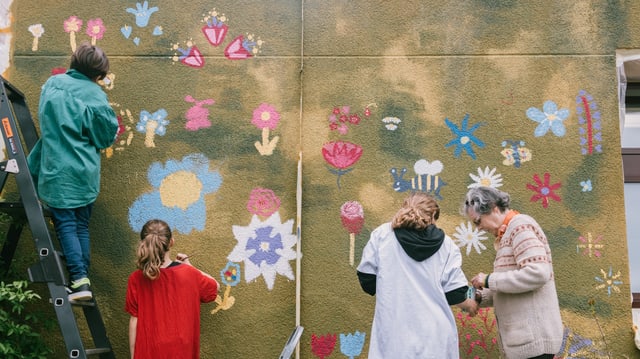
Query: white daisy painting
{"type": "Point", "coordinates": [486, 178]}
{"type": "Point", "coordinates": [468, 236]}
{"type": "Point", "coordinates": [265, 248]}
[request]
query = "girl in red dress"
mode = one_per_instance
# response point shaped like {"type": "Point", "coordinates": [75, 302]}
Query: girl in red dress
{"type": "Point", "coordinates": [164, 297]}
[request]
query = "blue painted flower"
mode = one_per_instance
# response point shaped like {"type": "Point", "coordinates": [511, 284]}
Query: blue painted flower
{"type": "Point", "coordinates": [351, 344]}
{"type": "Point", "coordinates": [464, 137]}
{"type": "Point", "coordinates": [265, 248]}
{"type": "Point", "coordinates": [586, 186]}
{"type": "Point", "coordinates": [549, 118]}
{"type": "Point", "coordinates": [230, 274]}
{"type": "Point", "coordinates": [152, 124]}
{"type": "Point", "coordinates": [179, 195]}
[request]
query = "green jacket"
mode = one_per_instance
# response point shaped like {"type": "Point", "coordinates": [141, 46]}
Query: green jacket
{"type": "Point", "coordinates": [76, 122]}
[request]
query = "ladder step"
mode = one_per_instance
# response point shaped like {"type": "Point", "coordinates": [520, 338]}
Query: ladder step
{"type": "Point", "coordinates": [96, 351]}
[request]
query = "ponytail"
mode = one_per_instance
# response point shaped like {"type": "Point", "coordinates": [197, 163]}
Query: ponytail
{"type": "Point", "coordinates": [155, 239]}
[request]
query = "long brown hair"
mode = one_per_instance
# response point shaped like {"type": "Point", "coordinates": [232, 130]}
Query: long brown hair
{"type": "Point", "coordinates": [155, 240]}
{"type": "Point", "coordinates": [418, 211]}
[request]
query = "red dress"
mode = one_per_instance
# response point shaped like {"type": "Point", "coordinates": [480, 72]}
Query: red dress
{"type": "Point", "coordinates": [168, 311]}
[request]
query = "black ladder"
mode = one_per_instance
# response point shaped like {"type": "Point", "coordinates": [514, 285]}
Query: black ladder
{"type": "Point", "coordinates": [50, 268]}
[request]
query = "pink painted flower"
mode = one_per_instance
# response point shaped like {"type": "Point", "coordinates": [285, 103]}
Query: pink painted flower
{"type": "Point", "coordinates": [95, 28]}
{"type": "Point", "coordinates": [265, 116]}
{"type": "Point", "coordinates": [72, 24]}
{"type": "Point", "coordinates": [352, 216]}
{"type": "Point", "coordinates": [341, 155]}
{"type": "Point", "coordinates": [263, 202]}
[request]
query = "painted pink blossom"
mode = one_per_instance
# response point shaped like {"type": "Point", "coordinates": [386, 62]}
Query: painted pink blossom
{"type": "Point", "coordinates": [265, 116]}
{"type": "Point", "coordinates": [95, 29]}
{"type": "Point", "coordinates": [263, 202]}
{"type": "Point", "coordinates": [72, 24]}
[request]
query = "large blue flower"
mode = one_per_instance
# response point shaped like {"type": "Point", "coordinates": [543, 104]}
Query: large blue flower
{"type": "Point", "coordinates": [549, 118]}
{"type": "Point", "coordinates": [179, 195]}
{"type": "Point", "coordinates": [464, 137]}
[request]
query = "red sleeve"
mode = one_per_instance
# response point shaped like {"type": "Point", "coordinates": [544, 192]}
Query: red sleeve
{"type": "Point", "coordinates": [131, 302]}
{"type": "Point", "coordinates": [208, 289]}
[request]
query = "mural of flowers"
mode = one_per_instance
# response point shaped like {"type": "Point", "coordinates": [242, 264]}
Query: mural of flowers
{"type": "Point", "coordinates": [549, 118]}
{"type": "Point", "coordinates": [230, 277]}
{"type": "Point", "coordinates": [95, 30]}
{"type": "Point", "coordinates": [152, 124]}
{"type": "Point", "coordinates": [467, 236]}
{"type": "Point", "coordinates": [544, 190]}
{"type": "Point", "coordinates": [124, 127]}
{"type": "Point", "coordinates": [265, 117]}
{"type": "Point", "coordinates": [72, 25]}
{"type": "Point", "coordinates": [265, 247]}
{"type": "Point", "coordinates": [263, 202]}
{"type": "Point", "coordinates": [464, 137]}
{"type": "Point", "coordinates": [241, 48]}
{"type": "Point", "coordinates": [590, 125]}
{"type": "Point", "coordinates": [197, 116]}
{"type": "Point", "coordinates": [351, 344]}
{"type": "Point", "coordinates": [340, 119]}
{"type": "Point", "coordinates": [36, 30]}
{"type": "Point", "coordinates": [486, 178]}
{"type": "Point", "coordinates": [189, 55]}
{"type": "Point", "coordinates": [609, 280]}
{"type": "Point", "coordinates": [215, 28]}
{"type": "Point", "coordinates": [575, 346]}
{"type": "Point", "coordinates": [590, 246]}
{"type": "Point", "coordinates": [179, 194]}
{"type": "Point", "coordinates": [341, 156]}
{"type": "Point", "coordinates": [515, 153]}
{"type": "Point", "coordinates": [477, 334]}
{"type": "Point", "coordinates": [322, 346]}
{"type": "Point", "coordinates": [352, 217]}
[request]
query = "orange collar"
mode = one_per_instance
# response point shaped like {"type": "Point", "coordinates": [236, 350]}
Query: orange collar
{"type": "Point", "coordinates": [506, 221]}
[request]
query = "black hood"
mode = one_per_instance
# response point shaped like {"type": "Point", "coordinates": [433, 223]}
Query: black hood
{"type": "Point", "coordinates": [420, 244]}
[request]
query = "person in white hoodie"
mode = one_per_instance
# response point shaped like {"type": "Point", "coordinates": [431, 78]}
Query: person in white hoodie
{"type": "Point", "coordinates": [414, 270]}
{"type": "Point", "coordinates": [521, 287]}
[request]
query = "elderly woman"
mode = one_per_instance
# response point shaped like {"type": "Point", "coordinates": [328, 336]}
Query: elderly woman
{"type": "Point", "coordinates": [414, 270]}
{"type": "Point", "coordinates": [521, 287]}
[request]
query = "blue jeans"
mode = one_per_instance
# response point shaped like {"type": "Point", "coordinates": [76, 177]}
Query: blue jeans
{"type": "Point", "coordinates": [72, 229]}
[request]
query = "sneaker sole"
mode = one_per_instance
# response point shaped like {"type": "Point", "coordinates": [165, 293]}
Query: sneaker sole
{"type": "Point", "coordinates": [83, 295]}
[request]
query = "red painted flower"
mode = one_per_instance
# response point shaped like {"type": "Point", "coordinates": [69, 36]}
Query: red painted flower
{"type": "Point", "coordinates": [323, 345]}
{"type": "Point", "coordinates": [341, 155]}
{"type": "Point", "coordinates": [544, 190]}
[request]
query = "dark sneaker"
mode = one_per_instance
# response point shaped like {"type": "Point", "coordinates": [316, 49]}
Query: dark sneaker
{"type": "Point", "coordinates": [80, 289]}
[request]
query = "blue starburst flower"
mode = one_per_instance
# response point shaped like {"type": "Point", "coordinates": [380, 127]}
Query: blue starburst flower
{"type": "Point", "coordinates": [265, 248]}
{"type": "Point", "coordinates": [549, 118]}
{"type": "Point", "coordinates": [178, 198]}
{"type": "Point", "coordinates": [464, 137]}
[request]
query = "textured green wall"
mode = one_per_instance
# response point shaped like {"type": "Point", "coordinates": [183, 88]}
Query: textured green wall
{"type": "Point", "coordinates": [405, 69]}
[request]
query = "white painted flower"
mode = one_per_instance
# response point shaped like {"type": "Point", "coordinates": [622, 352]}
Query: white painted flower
{"type": "Point", "coordinates": [486, 178]}
{"type": "Point", "coordinates": [265, 248]}
{"type": "Point", "coordinates": [470, 237]}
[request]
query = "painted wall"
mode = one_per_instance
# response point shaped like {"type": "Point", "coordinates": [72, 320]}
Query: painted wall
{"type": "Point", "coordinates": [218, 100]}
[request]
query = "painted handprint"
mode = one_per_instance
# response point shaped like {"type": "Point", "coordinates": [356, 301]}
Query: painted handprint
{"type": "Point", "coordinates": [142, 13]}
